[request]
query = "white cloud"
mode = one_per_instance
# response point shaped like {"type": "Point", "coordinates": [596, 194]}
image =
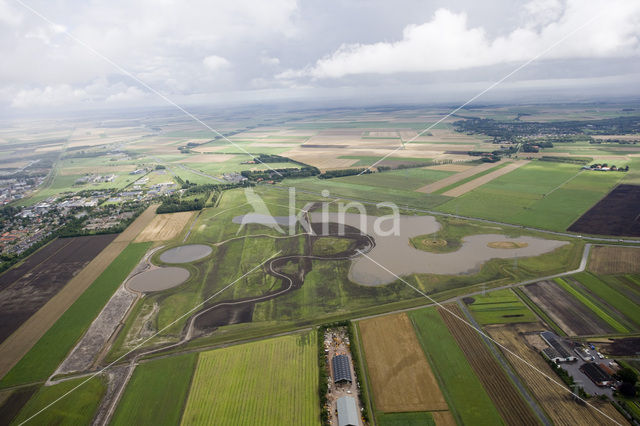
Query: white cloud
{"type": "Point", "coordinates": [446, 42]}
{"type": "Point", "coordinates": [267, 60]}
{"type": "Point", "coordinates": [215, 63]}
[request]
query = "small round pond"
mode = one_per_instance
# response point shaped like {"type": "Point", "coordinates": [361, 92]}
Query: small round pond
{"type": "Point", "coordinates": [184, 254]}
{"type": "Point", "coordinates": [158, 279]}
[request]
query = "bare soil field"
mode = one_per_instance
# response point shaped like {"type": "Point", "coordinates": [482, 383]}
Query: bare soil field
{"type": "Point", "coordinates": [450, 180]}
{"type": "Point", "coordinates": [555, 399]}
{"type": "Point", "coordinates": [627, 346]}
{"type": "Point", "coordinates": [165, 227]}
{"type": "Point", "coordinates": [443, 418]}
{"type": "Point", "coordinates": [513, 409]}
{"type": "Point", "coordinates": [470, 186]}
{"type": "Point", "coordinates": [401, 377]}
{"type": "Point", "coordinates": [26, 288]}
{"type": "Point", "coordinates": [616, 214]}
{"type": "Point", "coordinates": [615, 260]}
{"type": "Point", "coordinates": [567, 312]}
{"type": "Point", "coordinates": [23, 339]}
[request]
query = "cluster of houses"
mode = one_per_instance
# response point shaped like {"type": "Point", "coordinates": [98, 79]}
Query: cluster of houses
{"type": "Point", "coordinates": [604, 167]}
{"type": "Point", "coordinates": [595, 367]}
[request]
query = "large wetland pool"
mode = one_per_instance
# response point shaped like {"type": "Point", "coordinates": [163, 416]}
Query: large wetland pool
{"type": "Point", "coordinates": [395, 253]}
{"type": "Point", "coordinates": [187, 253]}
{"type": "Point", "coordinates": [158, 279]}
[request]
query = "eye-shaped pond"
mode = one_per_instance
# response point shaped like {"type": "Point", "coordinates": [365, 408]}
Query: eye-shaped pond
{"type": "Point", "coordinates": [396, 254]}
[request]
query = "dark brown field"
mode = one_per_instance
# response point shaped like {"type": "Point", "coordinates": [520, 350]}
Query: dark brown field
{"type": "Point", "coordinates": [616, 214]}
{"type": "Point", "coordinates": [28, 287]}
{"type": "Point", "coordinates": [573, 317]}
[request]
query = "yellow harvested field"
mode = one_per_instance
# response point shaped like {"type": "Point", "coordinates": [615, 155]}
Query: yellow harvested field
{"type": "Point", "coordinates": [470, 186]}
{"type": "Point", "coordinates": [22, 340]}
{"type": "Point", "coordinates": [614, 260]}
{"type": "Point", "coordinates": [443, 418]}
{"type": "Point", "coordinates": [97, 170]}
{"type": "Point", "coordinates": [450, 180]}
{"type": "Point", "coordinates": [384, 134]}
{"type": "Point", "coordinates": [450, 167]}
{"type": "Point", "coordinates": [555, 398]}
{"type": "Point", "coordinates": [164, 227]}
{"type": "Point", "coordinates": [206, 158]}
{"type": "Point", "coordinates": [205, 149]}
{"type": "Point", "coordinates": [401, 378]}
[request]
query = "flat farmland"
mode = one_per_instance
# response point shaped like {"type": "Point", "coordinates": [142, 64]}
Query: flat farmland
{"type": "Point", "coordinates": [510, 404]}
{"type": "Point", "coordinates": [76, 409]}
{"type": "Point", "coordinates": [555, 398]}
{"type": "Point", "coordinates": [611, 295]}
{"type": "Point", "coordinates": [572, 316]}
{"type": "Point", "coordinates": [455, 178]}
{"type": "Point", "coordinates": [499, 307]}
{"type": "Point", "coordinates": [616, 214]}
{"type": "Point", "coordinates": [614, 260]}
{"type": "Point", "coordinates": [28, 334]}
{"type": "Point", "coordinates": [268, 382]}
{"type": "Point", "coordinates": [468, 401]}
{"type": "Point", "coordinates": [41, 357]}
{"type": "Point", "coordinates": [157, 392]}
{"type": "Point", "coordinates": [484, 179]}
{"type": "Point", "coordinates": [401, 378]}
{"type": "Point", "coordinates": [562, 192]}
{"type": "Point", "coordinates": [164, 227]}
{"type": "Point", "coordinates": [397, 179]}
{"type": "Point", "coordinates": [27, 287]}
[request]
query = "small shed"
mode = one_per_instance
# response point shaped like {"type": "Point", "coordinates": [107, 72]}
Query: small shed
{"type": "Point", "coordinates": [347, 412]}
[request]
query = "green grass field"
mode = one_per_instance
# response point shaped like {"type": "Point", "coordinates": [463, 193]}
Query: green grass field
{"type": "Point", "coordinates": [500, 307]}
{"type": "Point", "coordinates": [157, 392]}
{"type": "Point", "coordinates": [40, 362]}
{"type": "Point", "coordinates": [467, 399]}
{"type": "Point", "coordinates": [268, 382]}
{"type": "Point", "coordinates": [540, 194]}
{"type": "Point", "coordinates": [619, 301]}
{"type": "Point", "coordinates": [405, 419]}
{"type": "Point", "coordinates": [330, 245]}
{"type": "Point", "coordinates": [591, 304]}
{"type": "Point", "coordinates": [405, 179]}
{"type": "Point", "coordinates": [470, 178]}
{"type": "Point", "coordinates": [77, 408]}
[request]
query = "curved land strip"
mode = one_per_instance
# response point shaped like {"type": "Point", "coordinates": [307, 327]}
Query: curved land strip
{"type": "Point", "coordinates": [22, 340]}
{"type": "Point", "coordinates": [450, 180]}
{"type": "Point", "coordinates": [469, 186]}
{"type": "Point", "coordinates": [513, 409]}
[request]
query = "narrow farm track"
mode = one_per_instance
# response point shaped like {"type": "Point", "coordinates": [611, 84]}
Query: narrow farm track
{"type": "Point", "coordinates": [513, 409]}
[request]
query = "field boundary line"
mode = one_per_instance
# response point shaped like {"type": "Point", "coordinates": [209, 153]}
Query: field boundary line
{"type": "Point", "coordinates": [484, 179]}
{"type": "Point", "coordinates": [485, 335]}
{"type": "Point", "coordinates": [150, 337]}
{"type": "Point", "coordinates": [62, 29]}
{"type": "Point", "coordinates": [490, 87]}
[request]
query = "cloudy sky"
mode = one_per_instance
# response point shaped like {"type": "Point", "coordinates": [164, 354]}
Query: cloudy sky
{"type": "Point", "coordinates": [199, 52]}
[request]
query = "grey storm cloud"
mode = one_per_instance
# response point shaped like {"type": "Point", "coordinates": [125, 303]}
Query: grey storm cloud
{"type": "Point", "coordinates": [256, 50]}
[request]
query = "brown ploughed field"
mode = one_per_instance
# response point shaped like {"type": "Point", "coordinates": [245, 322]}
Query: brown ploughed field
{"type": "Point", "coordinates": [614, 260]}
{"type": "Point", "coordinates": [23, 339]}
{"type": "Point", "coordinates": [512, 407]}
